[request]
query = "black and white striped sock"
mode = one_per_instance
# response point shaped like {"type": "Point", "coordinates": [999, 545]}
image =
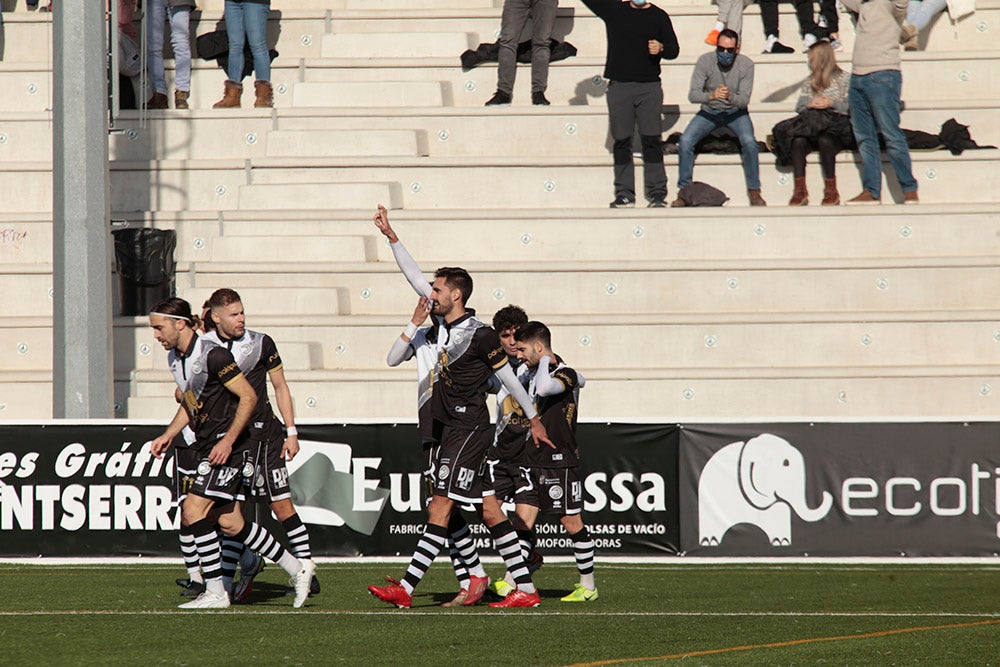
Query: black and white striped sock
{"type": "Point", "coordinates": [433, 540]}
{"type": "Point", "coordinates": [505, 539]}
{"type": "Point", "coordinates": [457, 564]}
{"type": "Point", "coordinates": [583, 552]}
{"type": "Point", "coordinates": [298, 536]}
{"type": "Point", "coordinates": [206, 542]}
{"type": "Point", "coordinates": [526, 539]}
{"type": "Point", "coordinates": [190, 555]}
{"type": "Point", "coordinates": [256, 538]}
{"type": "Point", "coordinates": [460, 534]}
{"type": "Point", "coordinates": [231, 550]}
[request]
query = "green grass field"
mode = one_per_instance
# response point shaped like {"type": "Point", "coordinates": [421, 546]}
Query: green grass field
{"type": "Point", "coordinates": [648, 614]}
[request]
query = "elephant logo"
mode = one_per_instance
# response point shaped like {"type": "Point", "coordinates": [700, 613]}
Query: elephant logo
{"type": "Point", "coordinates": [758, 482]}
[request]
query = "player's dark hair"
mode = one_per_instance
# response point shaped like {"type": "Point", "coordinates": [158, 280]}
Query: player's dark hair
{"type": "Point", "coordinates": [223, 297]}
{"type": "Point", "coordinates": [456, 278]}
{"type": "Point", "coordinates": [509, 317]}
{"type": "Point", "coordinates": [533, 331]}
{"type": "Point", "coordinates": [731, 34]}
{"type": "Point", "coordinates": [178, 309]}
{"type": "Point", "coordinates": [207, 323]}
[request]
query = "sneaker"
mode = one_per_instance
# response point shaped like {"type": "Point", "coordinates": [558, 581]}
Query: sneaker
{"type": "Point", "coordinates": [518, 598]}
{"type": "Point", "coordinates": [500, 588]}
{"type": "Point", "coordinates": [778, 47]}
{"type": "Point", "coordinates": [535, 561]}
{"type": "Point", "coordinates": [301, 582]}
{"type": "Point", "coordinates": [538, 99]}
{"type": "Point", "coordinates": [207, 600]}
{"type": "Point", "coordinates": [808, 40]}
{"type": "Point", "coordinates": [499, 99]}
{"type": "Point", "coordinates": [242, 587]}
{"type": "Point", "coordinates": [864, 199]}
{"type": "Point", "coordinates": [477, 588]}
{"type": "Point", "coordinates": [313, 588]}
{"type": "Point", "coordinates": [458, 600]}
{"type": "Point", "coordinates": [836, 45]}
{"type": "Point", "coordinates": [657, 203]}
{"type": "Point", "coordinates": [191, 589]}
{"type": "Point", "coordinates": [580, 594]}
{"type": "Point", "coordinates": [712, 38]}
{"type": "Point", "coordinates": [623, 201]}
{"type": "Point", "coordinates": [911, 197]}
{"type": "Point", "coordinates": [393, 594]}
{"type": "Point", "coordinates": [907, 32]}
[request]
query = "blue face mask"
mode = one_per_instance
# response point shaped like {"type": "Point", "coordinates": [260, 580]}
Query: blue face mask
{"type": "Point", "coordinates": [725, 59]}
{"type": "Point", "coordinates": [639, 3]}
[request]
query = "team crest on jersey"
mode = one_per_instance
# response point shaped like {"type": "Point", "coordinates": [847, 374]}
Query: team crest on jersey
{"type": "Point", "coordinates": [246, 349]}
{"type": "Point", "coordinates": [196, 367]}
{"type": "Point", "coordinates": [443, 471]}
{"type": "Point", "coordinates": [555, 492]}
{"type": "Point", "coordinates": [204, 468]}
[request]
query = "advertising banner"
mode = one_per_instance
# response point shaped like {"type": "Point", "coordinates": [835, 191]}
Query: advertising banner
{"type": "Point", "coordinates": [824, 489]}
{"type": "Point", "coordinates": [95, 490]}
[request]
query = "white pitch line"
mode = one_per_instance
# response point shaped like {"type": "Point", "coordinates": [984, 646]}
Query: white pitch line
{"type": "Point", "coordinates": [403, 614]}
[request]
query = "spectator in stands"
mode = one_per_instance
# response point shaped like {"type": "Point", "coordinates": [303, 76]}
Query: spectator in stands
{"type": "Point", "coordinates": [246, 21]}
{"type": "Point", "coordinates": [179, 14]}
{"type": "Point", "coordinates": [722, 83]}
{"type": "Point", "coordinates": [515, 15]}
{"type": "Point", "coordinates": [731, 16]}
{"type": "Point", "coordinates": [639, 35]}
{"type": "Point", "coordinates": [919, 14]}
{"type": "Point", "coordinates": [129, 56]}
{"type": "Point", "coordinates": [822, 123]}
{"type": "Point", "coordinates": [876, 82]}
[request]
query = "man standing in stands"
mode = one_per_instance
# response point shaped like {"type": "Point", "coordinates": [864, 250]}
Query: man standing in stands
{"type": "Point", "coordinates": [722, 82]}
{"type": "Point", "coordinates": [876, 82]}
{"type": "Point", "coordinates": [218, 403]}
{"type": "Point", "coordinates": [639, 35]}
{"type": "Point", "coordinates": [515, 15]}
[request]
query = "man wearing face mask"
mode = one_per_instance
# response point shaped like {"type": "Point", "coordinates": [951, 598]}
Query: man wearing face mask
{"type": "Point", "coordinates": [722, 82]}
{"type": "Point", "coordinates": [639, 36]}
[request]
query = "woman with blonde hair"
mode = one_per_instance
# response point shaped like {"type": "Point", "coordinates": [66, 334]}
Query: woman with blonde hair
{"type": "Point", "coordinates": [822, 124]}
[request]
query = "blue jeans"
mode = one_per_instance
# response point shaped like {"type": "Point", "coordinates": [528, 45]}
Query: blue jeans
{"type": "Point", "coordinates": [874, 101]}
{"type": "Point", "coordinates": [702, 125]}
{"type": "Point", "coordinates": [247, 22]}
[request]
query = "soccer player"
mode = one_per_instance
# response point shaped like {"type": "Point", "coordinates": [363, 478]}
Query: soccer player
{"type": "Point", "coordinates": [273, 445]}
{"type": "Point", "coordinates": [508, 473]}
{"type": "Point", "coordinates": [469, 353]}
{"type": "Point", "coordinates": [556, 387]}
{"type": "Point", "coordinates": [218, 402]}
{"type": "Point", "coordinates": [421, 344]}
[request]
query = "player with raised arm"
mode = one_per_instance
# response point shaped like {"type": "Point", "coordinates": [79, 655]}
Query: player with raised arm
{"type": "Point", "coordinates": [469, 352]}
{"type": "Point", "coordinates": [218, 403]}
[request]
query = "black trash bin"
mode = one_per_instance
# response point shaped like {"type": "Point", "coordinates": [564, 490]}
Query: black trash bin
{"type": "Point", "coordinates": [144, 261]}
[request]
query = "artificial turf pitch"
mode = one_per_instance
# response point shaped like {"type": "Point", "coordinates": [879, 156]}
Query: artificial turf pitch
{"type": "Point", "coordinates": [647, 614]}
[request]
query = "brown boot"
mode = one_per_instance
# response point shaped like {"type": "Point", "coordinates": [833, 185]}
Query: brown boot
{"type": "Point", "coordinates": [800, 197]}
{"type": "Point", "coordinates": [231, 96]}
{"type": "Point", "coordinates": [157, 101]}
{"type": "Point", "coordinates": [830, 195]}
{"type": "Point", "coordinates": [180, 99]}
{"type": "Point", "coordinates": [265, 94]}
{"type": "Point", "coordinates": [755, 198]}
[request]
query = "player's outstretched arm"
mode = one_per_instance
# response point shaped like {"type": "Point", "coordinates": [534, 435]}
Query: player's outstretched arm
{"type": "Point", "coordinates": [404, 260]}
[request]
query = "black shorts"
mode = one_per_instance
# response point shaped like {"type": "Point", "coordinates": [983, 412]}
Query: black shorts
{"type": "Point", "coordinates": [185, 465]}
{"type": "Point", "coordinates": [270, 479]}
{"type": "Point", "coordinates": [223, 483]}
{"type": "Point", "coordinates": [510, 483]}
{"type": "Point", "coordinates": [560, 490]}
{"type": "Point", "coordinates": [459, 469]}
